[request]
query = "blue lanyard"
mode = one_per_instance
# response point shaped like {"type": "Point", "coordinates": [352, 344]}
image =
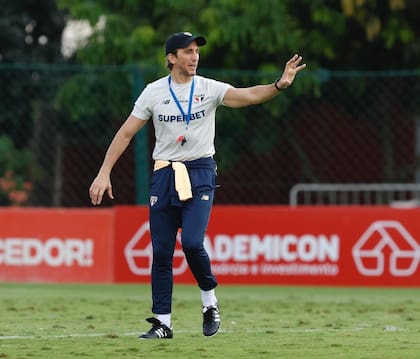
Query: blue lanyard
{"type": "Point", "coordinates": [188, 115]}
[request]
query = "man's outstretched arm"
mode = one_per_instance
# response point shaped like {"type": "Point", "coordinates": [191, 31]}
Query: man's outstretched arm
{"type": "Point", "coordinates": [240, 97]}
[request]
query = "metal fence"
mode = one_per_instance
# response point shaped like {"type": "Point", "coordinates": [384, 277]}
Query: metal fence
{"type": "Point", "coordinates": [329, 127]}
{"type": "Point", "coordinates": [393, 194]}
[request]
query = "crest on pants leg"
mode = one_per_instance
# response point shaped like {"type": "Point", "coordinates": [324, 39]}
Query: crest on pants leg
{"type": "Point", "coordinates": [153, 200]}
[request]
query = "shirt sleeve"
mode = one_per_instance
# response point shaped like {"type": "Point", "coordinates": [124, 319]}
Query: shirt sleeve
{"type": "Point", "coordinates": [142, 107]}
{"type": "Point", "coordinates": [219, 90]}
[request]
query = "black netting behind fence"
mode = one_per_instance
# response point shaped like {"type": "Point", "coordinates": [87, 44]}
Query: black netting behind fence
{"type": "Point", "coordinates": [329, 127]}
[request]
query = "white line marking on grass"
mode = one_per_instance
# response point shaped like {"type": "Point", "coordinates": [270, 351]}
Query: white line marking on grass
{"type": "Point", "coordinates": [87, 335]}
{"type": "Point", "coordinates": [388, 328]}
{"type": "Point", "coordinates": [392, 328]}
{"type": "Point", "coordinates": [63, 336]}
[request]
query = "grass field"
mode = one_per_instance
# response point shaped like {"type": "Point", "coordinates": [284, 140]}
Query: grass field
{"type": "Point", "coordinates": [103, 321]}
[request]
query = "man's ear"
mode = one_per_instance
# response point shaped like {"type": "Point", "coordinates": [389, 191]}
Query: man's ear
{"type": "Point", "coordinates": [171, 58]}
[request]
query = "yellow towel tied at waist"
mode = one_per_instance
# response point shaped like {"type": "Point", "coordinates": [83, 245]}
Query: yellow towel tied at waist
{"type": "Point", "coordinates": [182, 179]}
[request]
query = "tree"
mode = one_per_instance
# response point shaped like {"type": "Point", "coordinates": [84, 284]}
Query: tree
{"type": "Point", "coordinates": [30, 33]}
{"type": "Point", "coordinates": [246, 34]}
{"type": "Point", "coordinates": [363, 34]}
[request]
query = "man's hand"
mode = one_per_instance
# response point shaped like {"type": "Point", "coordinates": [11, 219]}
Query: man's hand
{"type": "Point", "coordinates": [98, 187]}
{"type": "Point", "coordinates": [290, 70]}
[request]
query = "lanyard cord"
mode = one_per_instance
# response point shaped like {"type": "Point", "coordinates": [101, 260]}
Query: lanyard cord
{"type": "Point", "coordinates": [188, 115]}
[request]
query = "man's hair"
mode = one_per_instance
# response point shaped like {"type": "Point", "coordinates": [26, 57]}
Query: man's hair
{"type": "Point", "coordinates": [170, 65]}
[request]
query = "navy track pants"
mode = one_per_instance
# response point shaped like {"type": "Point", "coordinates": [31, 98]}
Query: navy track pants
{"type": "Point", "coordinates": [167, 215]}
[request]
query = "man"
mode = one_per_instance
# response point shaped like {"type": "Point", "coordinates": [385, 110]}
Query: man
{"type": "Point", "coordinates": [182, 106]}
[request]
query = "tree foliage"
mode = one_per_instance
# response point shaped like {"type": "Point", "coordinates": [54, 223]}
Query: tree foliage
{"type": "Point", "coordinates": [248, 34]}
{"type": "Point", "coordinates": [378, 35]}
{"type": "Point", "coordinates": [30, 31]}
{"type": "Point", "coordinates": [252, 35]}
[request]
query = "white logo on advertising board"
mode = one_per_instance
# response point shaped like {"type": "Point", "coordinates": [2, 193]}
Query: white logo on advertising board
{"type": "Point", "coordinates": [139, 253]}
{"type": "Point", "coordinates": [244, 254]}
{"type": "Point", "coordinates": [53, 252]}
{"type": "Point", "coordinates": [369, 256]}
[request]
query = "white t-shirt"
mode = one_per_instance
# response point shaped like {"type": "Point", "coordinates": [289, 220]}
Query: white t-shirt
{"type": "Point", "coordinates": [157, 103]}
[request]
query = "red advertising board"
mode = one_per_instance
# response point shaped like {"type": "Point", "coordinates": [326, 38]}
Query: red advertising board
{"type": "Point", "coordinates": [375, 246]}
{"type": "Point", "coordinates": [56, 245]}
{"type": "Point", "coordinates": [352, 246]}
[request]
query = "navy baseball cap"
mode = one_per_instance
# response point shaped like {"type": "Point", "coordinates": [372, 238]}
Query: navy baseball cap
{"type": "Point", "coordinates": [180, 40]}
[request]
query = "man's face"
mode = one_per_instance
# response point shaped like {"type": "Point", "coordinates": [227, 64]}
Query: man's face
{"type": "Point", "coordinates": [186, 60]}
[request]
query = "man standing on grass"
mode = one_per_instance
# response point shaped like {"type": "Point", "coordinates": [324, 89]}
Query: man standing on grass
{"type": "Point", "coordinates": [182, 106]}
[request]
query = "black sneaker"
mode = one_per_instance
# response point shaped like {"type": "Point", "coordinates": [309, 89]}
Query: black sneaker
{"type": "Point", "coordinates": [158, 330]}
{"type": "Point", "coordinates": [211, 320]}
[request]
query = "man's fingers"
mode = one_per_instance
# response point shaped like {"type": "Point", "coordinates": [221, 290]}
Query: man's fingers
{"type": "Point", "coordinates": [301, 67]}
{"type": "Point", "coordinates": [295, 60]}
{"type": "Point", "coordinates": [99, 198]}
{"type": "Point", "coordinates": [96, 195]}
{"type": "Point", "coordinates": [109, 191]}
